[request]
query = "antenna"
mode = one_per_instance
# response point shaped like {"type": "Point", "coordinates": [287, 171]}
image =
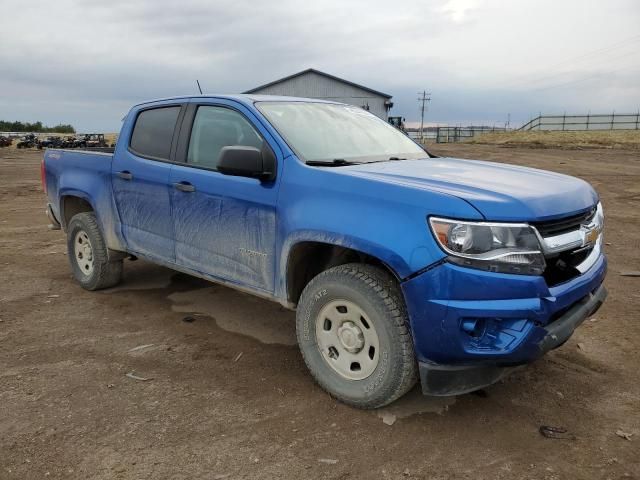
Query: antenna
{"type": "Point", "coordinates": [199, 88]}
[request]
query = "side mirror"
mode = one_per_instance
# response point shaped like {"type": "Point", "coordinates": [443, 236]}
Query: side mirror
{"type": "Point", "coordinates": [249, 162]}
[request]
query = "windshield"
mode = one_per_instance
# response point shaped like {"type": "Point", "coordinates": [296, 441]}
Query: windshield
{"type": "Point", "coordinates": [326, 132]}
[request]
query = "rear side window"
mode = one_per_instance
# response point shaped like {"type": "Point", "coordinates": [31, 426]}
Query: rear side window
{"type": "Point", "coordinates": [153, 131]}
{"type": "Point", "coordinates": [215, 128]}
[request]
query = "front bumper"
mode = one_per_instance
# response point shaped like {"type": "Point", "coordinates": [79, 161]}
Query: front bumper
{"type": "Point", "coordinates": [442, 380]}
{"type": "Point", "coordinates": [471, 327]}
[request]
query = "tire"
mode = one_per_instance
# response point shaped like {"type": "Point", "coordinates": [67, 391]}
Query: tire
{"type": "Point", "coordinates": [88, 254]}
{"type": "Point", "coordinates": [358, 302]}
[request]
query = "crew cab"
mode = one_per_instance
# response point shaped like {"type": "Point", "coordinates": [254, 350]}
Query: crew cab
{"type": "Point", "coordinates": [401, 265]}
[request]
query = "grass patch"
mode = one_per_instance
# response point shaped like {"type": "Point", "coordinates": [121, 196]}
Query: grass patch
{"type": "Point", "coordinates": [627, 139]}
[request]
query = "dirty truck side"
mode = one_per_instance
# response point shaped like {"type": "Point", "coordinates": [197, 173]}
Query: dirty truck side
{"type": "Point", "coordinates": [401, 266]}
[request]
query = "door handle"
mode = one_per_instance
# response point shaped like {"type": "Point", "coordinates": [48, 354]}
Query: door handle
{"type": "Point", "coordinates": [184, 187]}
{"type": "Point", "coordinates": [125, 175]}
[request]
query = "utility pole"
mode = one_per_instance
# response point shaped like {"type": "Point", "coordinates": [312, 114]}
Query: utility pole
{"type": "Point", "coordinates": [424, 98]}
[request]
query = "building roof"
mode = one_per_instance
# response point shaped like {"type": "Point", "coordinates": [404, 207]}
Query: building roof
{"type": "Point", "coordinates": [313, 70]}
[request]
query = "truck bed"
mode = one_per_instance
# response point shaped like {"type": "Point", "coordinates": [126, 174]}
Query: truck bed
{"type": "Point", "coordinates": [85, 174]}
{"type": "Point", "coordinates": [87, 149]}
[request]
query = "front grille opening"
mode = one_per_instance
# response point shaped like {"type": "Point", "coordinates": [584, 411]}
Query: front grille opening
{"type": "Point", "coordinates": [563, 225]}
{"type": "Point", "coordinates": [562, 267]}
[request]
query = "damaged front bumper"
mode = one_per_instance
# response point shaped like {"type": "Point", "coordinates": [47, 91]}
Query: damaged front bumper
{"type": "Point", "coordinates": [443, 380]}
{"type": "Point", "coordinates": [463, 344]}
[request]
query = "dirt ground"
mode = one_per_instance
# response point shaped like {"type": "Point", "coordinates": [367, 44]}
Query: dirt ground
{"type": "Point", "coordinates": [228, 396]}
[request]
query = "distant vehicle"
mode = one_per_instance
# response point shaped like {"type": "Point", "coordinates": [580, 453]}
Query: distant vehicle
{"type": "Point", "coordinates": [91, 140]}
{"type": "Point", "coordinates": [397, 122]}
{"type": "Point", "coordinates": [50, 142]}
{"type": "Point", "coordinates": [400, 265]}
{"type": "Point", "coordinates": [28, 141]}
{"type": "Point", "coordinates": [5, 141]}
{"type": "Point", "coordinates": [69, 142]}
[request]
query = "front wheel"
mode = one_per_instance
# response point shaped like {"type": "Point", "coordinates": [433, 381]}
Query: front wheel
{"type": "Point", "coordinates": [354, 335]}
{"type": "Point", "coordinates": [88, 254]}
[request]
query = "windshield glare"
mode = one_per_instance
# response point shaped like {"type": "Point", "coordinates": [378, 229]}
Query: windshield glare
{"type": "Point", "coordinates": [325, 132]}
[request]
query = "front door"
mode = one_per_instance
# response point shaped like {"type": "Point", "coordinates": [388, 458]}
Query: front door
{"type": "Point", "coordinates": [140, 179]}
{"type": "Point", "coordinates": [225, 226]}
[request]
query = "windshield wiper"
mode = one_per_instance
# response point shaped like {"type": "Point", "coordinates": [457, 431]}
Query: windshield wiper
{"type": "Point", "coordinates": [396, 158]}
{"type": "Point", "coordinates": [336, 162]}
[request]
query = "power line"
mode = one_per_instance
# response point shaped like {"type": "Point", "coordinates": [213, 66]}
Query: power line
{"type": "Point", "coordinates": [572, 60]}
{"type": "Point", "coordinates": [598, 51]}
{"type": "Point", "coordinates": [424, 98]}
{"type": "Point", "coordinates": [578, 80]}
{"type": "Point", "coordinates": [559, 75]}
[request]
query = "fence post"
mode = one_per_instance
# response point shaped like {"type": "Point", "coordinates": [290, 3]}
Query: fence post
{"type": "Point", "coordinates": [564, 119]}
{"type": "Point", "coordinates": [637, 119]}
{"type": "Point", "coordinates": [588, 114]}
{"type": "Point", "coordinates": [613, 116]}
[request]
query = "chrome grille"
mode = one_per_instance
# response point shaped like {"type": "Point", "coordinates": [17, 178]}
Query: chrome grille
{"type": "Point", "coordinates": [563, 225]}
{"type": "Point", "coordinates": [571, 244]}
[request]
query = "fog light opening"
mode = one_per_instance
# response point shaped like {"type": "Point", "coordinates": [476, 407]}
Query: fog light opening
{"type": "Point", "coordinates": [474, 327]}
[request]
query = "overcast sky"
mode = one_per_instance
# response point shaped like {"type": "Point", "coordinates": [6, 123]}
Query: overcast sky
{"type": "Point", "coordinates": [85, 62]}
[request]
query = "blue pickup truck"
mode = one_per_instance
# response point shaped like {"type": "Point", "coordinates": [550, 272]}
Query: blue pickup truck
{"type": "Point", "coordinates": [401, 266]}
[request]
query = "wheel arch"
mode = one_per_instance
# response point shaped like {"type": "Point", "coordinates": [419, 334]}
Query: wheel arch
{"type": "Point", "coordinates": [306, 258]}
{"type": "Point", "coordinates": [72, 203]}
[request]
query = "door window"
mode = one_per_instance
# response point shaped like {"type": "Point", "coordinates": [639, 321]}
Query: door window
{"type": "Point", "coordinates": [215, 128]}
{"type": "Point", "coordinates": [153, 132]}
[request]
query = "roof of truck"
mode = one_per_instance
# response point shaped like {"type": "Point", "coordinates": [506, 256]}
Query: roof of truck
{"type": "Point", "coordinates": [240, 97]}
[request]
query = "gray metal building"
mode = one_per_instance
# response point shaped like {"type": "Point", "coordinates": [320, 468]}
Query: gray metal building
{"type": "Point", "coordinates": [313, 83]}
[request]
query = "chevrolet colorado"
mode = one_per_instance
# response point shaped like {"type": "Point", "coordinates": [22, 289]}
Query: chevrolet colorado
{"type": "Point", "coordinates": [401, 266]}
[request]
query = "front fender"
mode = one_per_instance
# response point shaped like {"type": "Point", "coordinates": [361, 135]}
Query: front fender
{"type": "Point", "coordinates": [385, 220]}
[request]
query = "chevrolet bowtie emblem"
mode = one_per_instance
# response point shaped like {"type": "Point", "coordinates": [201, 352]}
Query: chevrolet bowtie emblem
{"type": "Point", "coordinates": [591, 235]}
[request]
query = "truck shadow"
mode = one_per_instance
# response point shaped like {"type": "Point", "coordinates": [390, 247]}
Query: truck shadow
{"type": "Point", "coordinates": [270, 324]}
{"type": "Point", "coordinates": [232, 310]}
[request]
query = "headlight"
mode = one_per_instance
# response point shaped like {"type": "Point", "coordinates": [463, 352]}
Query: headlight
{"type": "Point", "coordinates": [496, 247]}
{"type": "Point", "coordinates": [599, 217]}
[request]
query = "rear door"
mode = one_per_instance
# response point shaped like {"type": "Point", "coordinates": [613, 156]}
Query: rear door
{"type": "Point", "coordinates": [140, 173]}
{"type": "Point", "coordinates": [225, 226]}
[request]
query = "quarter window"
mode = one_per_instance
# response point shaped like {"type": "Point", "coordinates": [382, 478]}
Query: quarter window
{"type": "Point", "coordinates": [153, 132]}
{"type": "Point", "coordinates": [215, 128]}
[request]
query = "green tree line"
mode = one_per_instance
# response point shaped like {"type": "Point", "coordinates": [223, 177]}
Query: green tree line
{"type": "Point", "coordinates": [36, 127]}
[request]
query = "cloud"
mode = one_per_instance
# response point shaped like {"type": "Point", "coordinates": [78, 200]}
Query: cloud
{"type": "Point", "coordinates": [457, 9]}
{"type": "Point", "coordinates": [86, 61]}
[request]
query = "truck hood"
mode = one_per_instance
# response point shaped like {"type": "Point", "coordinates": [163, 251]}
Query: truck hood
{"type": "Point", "coordinates": [498, 191]}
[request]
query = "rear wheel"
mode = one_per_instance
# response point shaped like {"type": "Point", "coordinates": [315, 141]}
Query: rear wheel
{"type": "Point", "coordinates": [353, 333]}
{"type": "Point", "coordinates": [88, 254]}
